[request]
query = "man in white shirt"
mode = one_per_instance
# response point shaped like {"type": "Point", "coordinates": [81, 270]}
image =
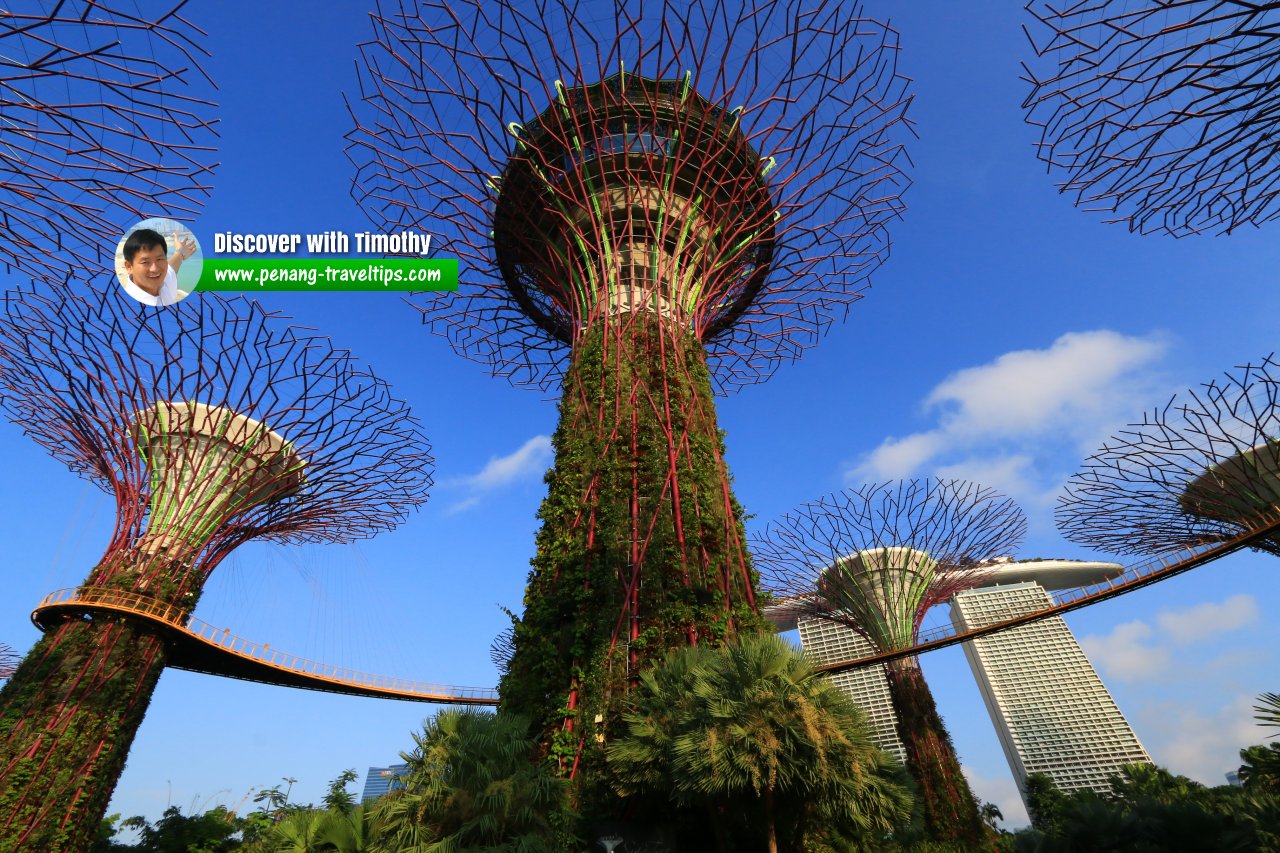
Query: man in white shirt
{"type": "Point", "coordinates": [151, 276]}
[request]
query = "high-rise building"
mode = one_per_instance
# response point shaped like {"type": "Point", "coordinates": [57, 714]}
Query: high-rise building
{"type": "Point", "coordinates": [1050, 709]}
{"type": "Point", "coordinates": [828, 642]}
{"type": "Point", "coordinates": [380, 780]}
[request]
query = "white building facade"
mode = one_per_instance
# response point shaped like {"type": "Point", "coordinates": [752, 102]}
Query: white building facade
{"type": "Point", "coordinates": [1049, 707]}
{"type": "Point", "coordinates": [827, 642]}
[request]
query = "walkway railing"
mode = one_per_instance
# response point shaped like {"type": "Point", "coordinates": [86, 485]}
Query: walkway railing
{"type": "Point", "coordinates": [237, 657]}
{"type": "Point", "coordinates": [1135, 576]}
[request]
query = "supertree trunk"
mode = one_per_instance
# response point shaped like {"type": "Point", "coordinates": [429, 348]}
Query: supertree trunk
{"type": "Point", "coordinates": [67, 720]}
{"type": "Point", "coordinates": [70, 713]}
{"type": "Point", "coordinates": [642, 546]}
{"type": "Point", "coordinates": [950, 810]}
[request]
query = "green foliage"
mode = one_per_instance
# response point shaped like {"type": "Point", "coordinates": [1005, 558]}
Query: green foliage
{"type": "Point", "coordinates": [214, 831]}
{"type": "Point", "coordinates": [1150, 809]}
{"type": "Point", "coordinates": [1045, 802]}
{"type": "Point", "coordinates": [67, 719]}
{"type": "Point", "coordinates": [295, 832]}
{"type": "Point", "coordinates": [338, 798]}
{"type": "Point", "coordinates": [312, 830]}
{"type": "Point", "coordinates": [948, 807]}
{"type": "Point", "coordinates": [750, 740]}
{"type": "Point", "coordinates": [636, 420]}
{"type": "Point", "coordinates": [349, 830]}
{"type": "Point", "coordinates": [1260, 771]}
{"type": "Point", "coordinates": [472, 785]}
{"type": "Point", "coordinates": [105, 842]}
{"type": "Point", "coordinates": [1268, 709]}
{"type": "Point", "coordinates": [274, 801]}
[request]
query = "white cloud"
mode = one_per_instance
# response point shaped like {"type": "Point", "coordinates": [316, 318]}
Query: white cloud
{"type": "Point", "coordinates": [1205, 620]}
{"type": "Point", "coordinates": [1135, 651]}
{"type": "Point", "coordinates": [899, 457]}
{"type": "Point", "coordinates": [1014, 420]}
{"type": "Point", "coordinates": [1201, 745]}
{"type": "Point", "coordinates": [499, 471]}
{"type": "Point", "coordinates": [462, 505]}
{"type": "Point", "coordinates": [1126, 653]}
{"type": "Point", "coordinates": [529, 460]}
{"type": "Point", "coordinates": [1013, 475]}
{"type": "Point", "coordinates": [1027, 391]}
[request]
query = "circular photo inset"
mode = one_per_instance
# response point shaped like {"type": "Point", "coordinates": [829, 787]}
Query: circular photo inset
{"type": "Point", "coordinates": [158, 261]}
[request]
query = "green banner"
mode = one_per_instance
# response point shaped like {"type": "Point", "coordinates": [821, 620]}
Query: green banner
{"type": "Point", "coordinates": [220, 274]}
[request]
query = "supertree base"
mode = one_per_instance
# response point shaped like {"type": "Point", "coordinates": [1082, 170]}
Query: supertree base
{"type": "Point", "coordinates": [67, 719]}
{"type": "Point", "coordinates": [949, 808]}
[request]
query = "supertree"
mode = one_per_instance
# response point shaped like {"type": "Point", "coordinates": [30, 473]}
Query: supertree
{"type": "Point", "coordinates": [8, 661]}
{"type": "Point", "coordinates": [1203, 469]}
{"type": "Point", "coordinates": [1161, 112]}
{"type": "Point", "coordinates": [647, 198]}
{"type": "Point", "coordinates": [875, 559]}
{"type": "Point", "coordinates": [212, 423]}
{"type": "Point", "coordinates": [104, 123]}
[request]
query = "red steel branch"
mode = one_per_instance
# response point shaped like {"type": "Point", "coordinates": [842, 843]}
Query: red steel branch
{"type": "Point", "coordinates": [106, 121]}
{"type": "Point", "coordinates": [780, 125]}
{"type": "Point", "coordinates": [1162, 113]}
{"type": "Point", "coordinates": [1202, 469]}
{"type": "Point", "coordinates": [804, 556]}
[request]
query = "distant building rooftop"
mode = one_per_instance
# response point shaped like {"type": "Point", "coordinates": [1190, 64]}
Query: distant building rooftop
{"type": "Point", "coordinates": [380, 780]}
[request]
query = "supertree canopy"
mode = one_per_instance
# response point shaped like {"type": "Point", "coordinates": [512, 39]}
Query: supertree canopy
{"type": "Point", "coordinates": [212, 422]}
{"type": "Point", "coordinates": [105, 122]}
{"type": "Point", "coordinates": [875, 559]}
{"type": "Point", "coordinates": [732, 166]}
{"type": "Point", "coordinates": [8, 661]}
{"type": "Point", "coordinates": [643, 196]}
{"type": "Point", "coordinates": [1162, 113]}
{"type": "Point", "coordinates": [1203, 469]}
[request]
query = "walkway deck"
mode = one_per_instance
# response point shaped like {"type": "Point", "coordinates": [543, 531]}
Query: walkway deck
{"type": "Point", "coordinates": [198, 646]}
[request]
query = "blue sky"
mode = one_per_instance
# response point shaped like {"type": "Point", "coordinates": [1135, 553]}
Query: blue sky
{"type": "Point", "coordinates": [1007, 334]}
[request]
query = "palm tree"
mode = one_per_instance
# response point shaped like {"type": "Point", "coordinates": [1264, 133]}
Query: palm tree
{"type": "Point", "coordinates": [1268, 709]}
{"type": "Point", "coordinates": [348, 830]}
{"type": "Point", "coordinates": [752, 729]}
{"type": "Point", "coordinates": [1260, 770]}
{"type": "Point", "coordinates": [991, 815]}
{"type": "Point", "coordinates": [296, 832]}
{"type": "Point", "coordinates": [472, 784]}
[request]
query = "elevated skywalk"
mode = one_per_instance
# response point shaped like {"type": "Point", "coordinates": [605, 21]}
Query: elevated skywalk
{"type": "Point", "coordinates": [197, 646]}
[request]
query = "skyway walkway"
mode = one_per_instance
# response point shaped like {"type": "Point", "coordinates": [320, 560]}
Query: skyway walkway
{"type": "Point", "coordinates": [198, 646]}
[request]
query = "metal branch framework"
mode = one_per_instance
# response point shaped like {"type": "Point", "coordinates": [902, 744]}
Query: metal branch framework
{"type": "Point", "coordinates": [105, 121]}
{"type": "Point", "coordinates": [875, 559]}
{"type": "Point", "coordinates": [732, 166]}
{"type": "Point", "coordinates": [1203, 469]}
{"type": "Point", "coordinates": [212, 422]}
{"type": "Point", "coordinates": [643, 196]}
{"type": "Point", "coordinates": [1161, 112]}
{"type": "Point", "coordinates": [8, 661]}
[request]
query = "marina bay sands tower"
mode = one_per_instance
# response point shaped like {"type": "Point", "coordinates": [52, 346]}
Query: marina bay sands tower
{"type": "Point", "coordinates": [1050, 709]}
